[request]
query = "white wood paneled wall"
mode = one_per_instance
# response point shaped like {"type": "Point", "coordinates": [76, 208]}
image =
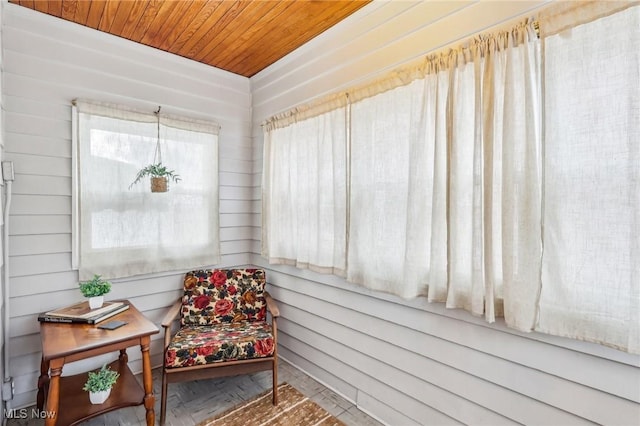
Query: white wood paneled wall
{"type": "Point", "coordinates": [406, 362]}
{"type": "Point", "coordinates": [410, 362]}
{"type": "Point", "coordinates": [47, 63]}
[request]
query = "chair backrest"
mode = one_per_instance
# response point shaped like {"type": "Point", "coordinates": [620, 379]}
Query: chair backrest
{"type": "Point", "coordinates": [223, 296]}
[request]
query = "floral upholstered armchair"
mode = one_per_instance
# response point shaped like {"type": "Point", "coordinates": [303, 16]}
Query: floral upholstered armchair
{"type": "Point", "coordinates": [223, 329]}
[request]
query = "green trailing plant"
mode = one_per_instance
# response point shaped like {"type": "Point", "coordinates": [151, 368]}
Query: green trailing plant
{"type": "Point", "coordinates": [156, 170]}
{"type": "Point", "coordinates": [95, 287]}
{"type": "Point", "coordinates": [101, 380]}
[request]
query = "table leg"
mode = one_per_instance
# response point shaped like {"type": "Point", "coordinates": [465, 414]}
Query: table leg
{"type": "Point", "coordinates": [53, 395]}
{"type": "Point", "coordinates": [149, 399]}
{"type": "Point", "coordinates": [43, 381]}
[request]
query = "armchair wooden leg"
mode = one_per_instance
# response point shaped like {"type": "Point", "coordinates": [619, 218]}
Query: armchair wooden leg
{"type": "Point", "coordinates": [163, 398]}
{"type": "Point", "coordinates": [275, 380]}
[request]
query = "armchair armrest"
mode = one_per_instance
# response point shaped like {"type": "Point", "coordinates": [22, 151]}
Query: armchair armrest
{"type": "Point", "coordinates": [172, 314]}
{"type": "Point", "coordinates": [271, 305]}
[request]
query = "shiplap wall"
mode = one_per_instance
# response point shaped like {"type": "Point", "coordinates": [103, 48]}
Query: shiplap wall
{"type": "Point", "coordinates": [47, 63]}
{"type": "Point", "coordinates": [406, 362]}
{"type": "Point", "coordinates": [410, 362]}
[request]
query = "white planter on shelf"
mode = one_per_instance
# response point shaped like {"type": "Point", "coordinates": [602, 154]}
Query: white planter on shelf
{"type": "Point", "coordinates": [96, 302]}
{"type": "Point", "coordinates": [99, 397]}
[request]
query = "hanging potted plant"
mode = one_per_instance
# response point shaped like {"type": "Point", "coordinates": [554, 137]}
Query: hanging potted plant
{"type": "Point", "coordinates": [95, 289]}
{"type": "Point", "coordinates": [158, 173]}
{"type": "Point", "coordinates": [99, 384]}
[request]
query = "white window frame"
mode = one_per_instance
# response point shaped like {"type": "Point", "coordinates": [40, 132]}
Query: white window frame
{"type": "Point", "coordinates": [199, 246]}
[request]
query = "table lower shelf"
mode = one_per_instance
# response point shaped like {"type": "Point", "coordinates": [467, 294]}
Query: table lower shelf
{"type": "Point", "coordinates": [75, 407]}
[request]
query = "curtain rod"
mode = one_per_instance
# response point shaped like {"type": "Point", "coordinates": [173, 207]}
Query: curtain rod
{"type": "Point", "coordinates": [403, 74]}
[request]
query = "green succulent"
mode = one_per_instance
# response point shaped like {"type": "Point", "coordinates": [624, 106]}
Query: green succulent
{"type": "Point", "coordinates": [156, 170]}
{"type": "Point", "coordinates": [101, 380]}
{"type": "Point", "coordinates": [95, 287]}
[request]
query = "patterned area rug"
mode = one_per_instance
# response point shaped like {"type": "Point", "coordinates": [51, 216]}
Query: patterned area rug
{"type": "Point", "coordinates": [293, 409]}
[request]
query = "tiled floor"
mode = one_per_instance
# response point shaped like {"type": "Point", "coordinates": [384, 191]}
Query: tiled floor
{"type": "Point", "coordinates": [189, 403]}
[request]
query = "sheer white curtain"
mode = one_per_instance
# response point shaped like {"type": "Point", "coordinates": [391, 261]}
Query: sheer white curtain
{"type": "Point", "coordinates": [392, 189]}
{"type": "Point", "coordinates": [495, 177]}
{"type": "Point", "coordinates": [304, 190]}
{"type": "Point", "coordinates": [121, 231]}
{"type": "Point", "coordinates": [445, 181]}
{"type": "Point", "coordinates": [591, 262]}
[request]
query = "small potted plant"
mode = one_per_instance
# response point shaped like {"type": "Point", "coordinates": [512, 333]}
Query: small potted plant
{"type": "Point", "coordinates": [159, 175]}
{"type": "Point", "coordinates": [95, 289]}
{"type": "Point", "coordinates": [99, 384]}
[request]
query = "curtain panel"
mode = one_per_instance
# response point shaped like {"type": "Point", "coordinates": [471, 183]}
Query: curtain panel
{"type": "Point", "coordinates": [122, 230]}
{"type": "Point", "coordinates": [591, 261]}
{"type": "Point", "coordinates": [447, 169]}
{"type": "Point", "coordinates": [395, 187]}
{"type": "Point", "coordinates": [304, 190]}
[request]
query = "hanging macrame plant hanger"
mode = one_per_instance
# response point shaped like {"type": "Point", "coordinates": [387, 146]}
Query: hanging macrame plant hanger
{"type": "Point", "coordinates": [158, 183]}
{"type": "Point", "coordinates": [158, 173]}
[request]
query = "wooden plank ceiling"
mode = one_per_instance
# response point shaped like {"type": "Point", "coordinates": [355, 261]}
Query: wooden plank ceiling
{"type": "Point", "coordinates": [241, 36]}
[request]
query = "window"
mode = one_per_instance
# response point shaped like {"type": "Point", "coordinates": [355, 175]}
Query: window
{"type": "Point", "coordinates": [429, 180]}
{"type": "Point", "coordinates": [437, 166]}
{"type": "Point", "coordinates": [304, 193]}
{"type": "Point", "coordinates": [470, 185]}
{"type": "Point", "coordinates": [123, 230]}
{"type": "Point", "coordinates": [392, 190]}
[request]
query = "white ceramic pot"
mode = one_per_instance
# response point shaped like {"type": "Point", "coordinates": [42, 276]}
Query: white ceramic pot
{"type": "Point", "coordinates": [96, 302]}
{"type": "Point", "coordinates": [99, 397]}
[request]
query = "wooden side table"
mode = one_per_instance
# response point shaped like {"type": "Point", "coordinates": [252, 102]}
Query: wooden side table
{"type": "Point", "coordinates": [66, 402]}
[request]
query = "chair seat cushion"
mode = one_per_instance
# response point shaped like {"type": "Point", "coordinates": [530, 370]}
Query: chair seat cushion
{"type": "Point", "coordinates": [206, 344]}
